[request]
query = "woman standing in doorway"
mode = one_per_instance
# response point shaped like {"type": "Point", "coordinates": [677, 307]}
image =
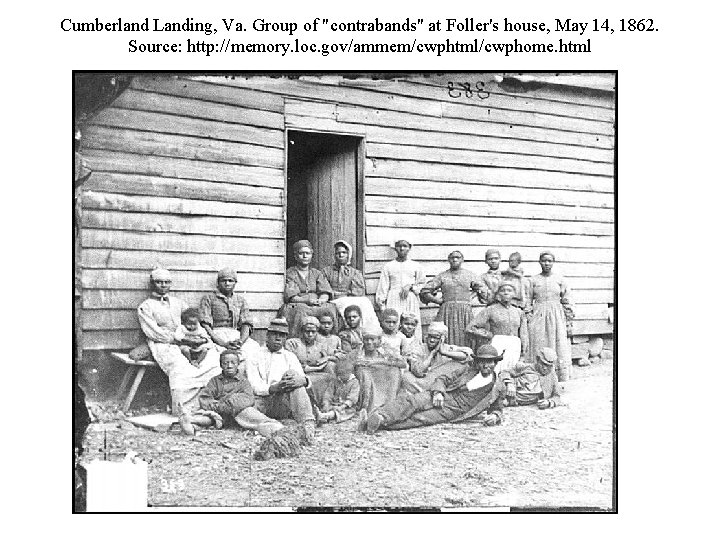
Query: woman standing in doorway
{"type": "Point", "coordinates": [551, 309]}
{"type": "Point", "coordinates": [401, 281]}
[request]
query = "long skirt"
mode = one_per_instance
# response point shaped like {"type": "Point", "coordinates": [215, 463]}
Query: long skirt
{"type": "Point", "coordinates": [379, 384]}
{"type": "Point", "coordinates": [456, 316]}
{"type": "Point", "coordinates": [509, 347]}
{"type": "Point", "coordinates": [248, 349]}
{"type": "Point", "coordinates": [411, 304]}
{"type": "Point", "coordinates": [547, 329]}
{"type": "Point", "coordinates": [186, 381]}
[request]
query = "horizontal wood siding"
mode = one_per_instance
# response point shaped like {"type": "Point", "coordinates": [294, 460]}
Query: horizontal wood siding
{"type": "Point", "coordinates": [188, 173]}
{"type": "Point", "coordinates": [188, 176]}
{"type": "Point", "coordinates": [518, 171]}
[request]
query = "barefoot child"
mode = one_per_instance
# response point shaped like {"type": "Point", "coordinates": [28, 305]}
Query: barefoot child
{"type": "Point", "coordinates": [342, 395]}
{"type": "Point", "coordinates": [192, 338]}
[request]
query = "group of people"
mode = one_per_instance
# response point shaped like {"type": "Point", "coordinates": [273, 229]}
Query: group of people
{"type": "Point", "coordinates": [329, 356]}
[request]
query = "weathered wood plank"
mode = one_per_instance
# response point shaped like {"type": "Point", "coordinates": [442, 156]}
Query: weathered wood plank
{"type": "Point", "coordinates": [131, 299]}
{"type": "Point", "coordinates": [464, 141]}
{"type": "Point", "coordinates": [209, 92]}
{"type": "Point", "coordinates": [127, 319]}
{"type": "Point", "coordinates": [440, 207]}
{"type": "Point", "coordinates": [592, 328]}
{"type": "Point", "coordinates": [207, 262]}
{"type": "Point", "coordinates": [531, 268]}
{"type": "Point", "coordinates": [180, 243]}
{"type": "Point", "coordinates": [472, 223]}
{"type": "Point", "coordinates": [487, 159]}
{"type": "Point", "coordinates": [216, 226]}
{"type": "Point", "coordinates": [477, 253]}
{"type": "Point", "coordinates": [496, 105]}
{"type": "Point", "coordinates": [387, 235]}
{"type": "Point", "coordinates": [594, 296]}
{"type": "Point", "coordinates": [489, 176]}
{"type": "Point", "coordinates": [179, 125]}
{"type": "Point", "coordinates": [496, 97]}
{"type": "Point", "coordinates": [183, 280]}
{"type": "Point", "coordinates": [121, 162]}
{"type": "Point", "coordinates": [310, 123]}
{"type": "Point", "coordinates": [182, 146]}
{"type": "Point", "coordinates": [155, 186]}
{"type": "Point", "coordinates": [173, 205]}
{"type": "Point", "coordinates": [430, 189]}
{"type": "Point", "coordinates": [194, 108]}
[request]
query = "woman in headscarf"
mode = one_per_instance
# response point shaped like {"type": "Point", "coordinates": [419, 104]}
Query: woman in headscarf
{"type": "Point", "coordinates": [552, 309]}
{"type": "Point", "coordinates": [401, 281]}
{"type": "Point", "coordinates": [159, 317]}
{"type": "Point", "coordinates": [347, 283]}
{"type": "Point", "coordinates": [315, 355]}
{"type": "Point", "coordinates": [433, 358]}
{"type": "Point", "coordinates": [379, 371]}
{"type": "Point", "coordinates": [458, 286]}
{"type": "Point", "coordinates": [306, 289]}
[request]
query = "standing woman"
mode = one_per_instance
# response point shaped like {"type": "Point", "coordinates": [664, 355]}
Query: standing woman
{"type": "Point", "coordinates": [306, 289]}
{"type": "Point", "coordinates": [458, 286]}
{"type": "Point", "coordinates": [551, 309]}
{"type": "Point", "coordinates": [401, 281]}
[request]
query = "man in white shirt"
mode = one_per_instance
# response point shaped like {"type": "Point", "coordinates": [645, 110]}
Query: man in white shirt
{"type": "Point", "coordinates": [278, 380]}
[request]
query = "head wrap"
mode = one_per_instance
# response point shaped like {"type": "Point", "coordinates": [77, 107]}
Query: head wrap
{"type": "Point", "coordinates": [487, 352]}
{"type": "Point", "coordinates": [160, 274]}
{"type": "Point", "coordinates": [543, 253]}
{"type": "Point", "coordinates": [456, 251]}
{"type": "Point", "coordinates": [437, 327]}
{"type": "Point", "coordinates": [227, 273]}
{"type": "Point", "coordinates": [310, 321]}
{"type": "Point", "coordinates": [372, 330]}
{"type": "Point", "coordinates": [491, 251]}
{"type": "Point", "coordinates": [547, 356]}
{"type": "Point", "coordinates": [297, 246]}
{"type": "Point", "coordinates": [346, 245]}
{"type": "Point", "coordinates": [515, 255]}
{"type": "Point", "coordinates": [396, 242]}
{"type": "Point", "coordinates": [278, 325]}
{"type": "Point", "coordinates": [408, 316]}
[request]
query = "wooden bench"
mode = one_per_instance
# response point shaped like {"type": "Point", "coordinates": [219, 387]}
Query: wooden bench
{"type": "Point", "coordinates": [136, 367]}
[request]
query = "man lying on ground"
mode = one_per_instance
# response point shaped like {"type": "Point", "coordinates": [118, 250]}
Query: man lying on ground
{"type": "Point", "coordinates": [472, 390]}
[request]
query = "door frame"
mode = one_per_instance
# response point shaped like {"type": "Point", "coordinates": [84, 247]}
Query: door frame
{"type": "Point", "coordinates": [359, 197]}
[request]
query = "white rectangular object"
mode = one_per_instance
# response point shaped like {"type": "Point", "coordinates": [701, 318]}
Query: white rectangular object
{"type": "Point", "coordinates": [116, 486]}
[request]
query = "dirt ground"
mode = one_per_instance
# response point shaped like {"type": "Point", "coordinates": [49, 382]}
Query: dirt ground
{"type": "Point", "coordinates": [561, 457]}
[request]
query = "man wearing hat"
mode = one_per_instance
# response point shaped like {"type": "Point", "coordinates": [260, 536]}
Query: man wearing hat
{"type": "Point", "coordinates": [278, 380]}
{"type": "Point", "coordinates": [159, 317]}
{"type": "Point", "coordinates": [528, 384]}
{"type": "Point", "coordinates": [473, 390]}
{"type": "Point", "coordinates": [225, 315]}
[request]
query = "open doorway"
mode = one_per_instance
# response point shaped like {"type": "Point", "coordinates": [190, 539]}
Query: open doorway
{"type": "Point", "coordinates": [324, 194]}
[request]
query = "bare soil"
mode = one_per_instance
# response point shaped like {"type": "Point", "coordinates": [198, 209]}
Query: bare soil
{"type": "Point", "coordinates": [561, 457]}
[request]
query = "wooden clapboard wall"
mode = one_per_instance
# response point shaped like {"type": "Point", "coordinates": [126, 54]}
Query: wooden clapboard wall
{"type": "Point", "coordinates": [189, 173]}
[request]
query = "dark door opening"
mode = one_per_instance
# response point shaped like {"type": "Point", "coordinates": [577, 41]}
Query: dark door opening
{"type": "Point", "coordinates": [324, 194]}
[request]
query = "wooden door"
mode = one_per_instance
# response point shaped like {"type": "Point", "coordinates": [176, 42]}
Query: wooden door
{"type": "Point", "coordinates": [331, 179]}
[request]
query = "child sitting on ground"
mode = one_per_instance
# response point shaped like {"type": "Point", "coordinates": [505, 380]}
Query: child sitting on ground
{"type": "Point", "coordinates": [392, 341]}
{"type": "Point", "coordinates": [342, 394]}
{"type": "Point", "coordinates": [528, 384]}
{"type": "Point", "coordinates": [192, 338]}
{"type": "Point", "coordinates": [352, 336]}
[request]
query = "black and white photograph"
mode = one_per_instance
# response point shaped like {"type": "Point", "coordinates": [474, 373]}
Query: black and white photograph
{"type": "Point", "coordinates": [345, 291]}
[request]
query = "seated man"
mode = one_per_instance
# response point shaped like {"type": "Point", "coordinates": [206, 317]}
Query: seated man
{"type": "Point", "coordinates": [278, 381]}
{"type": "Point", "coordinates": [527, 384]}
{"type": "Point", "coordinates": [472, 390]}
